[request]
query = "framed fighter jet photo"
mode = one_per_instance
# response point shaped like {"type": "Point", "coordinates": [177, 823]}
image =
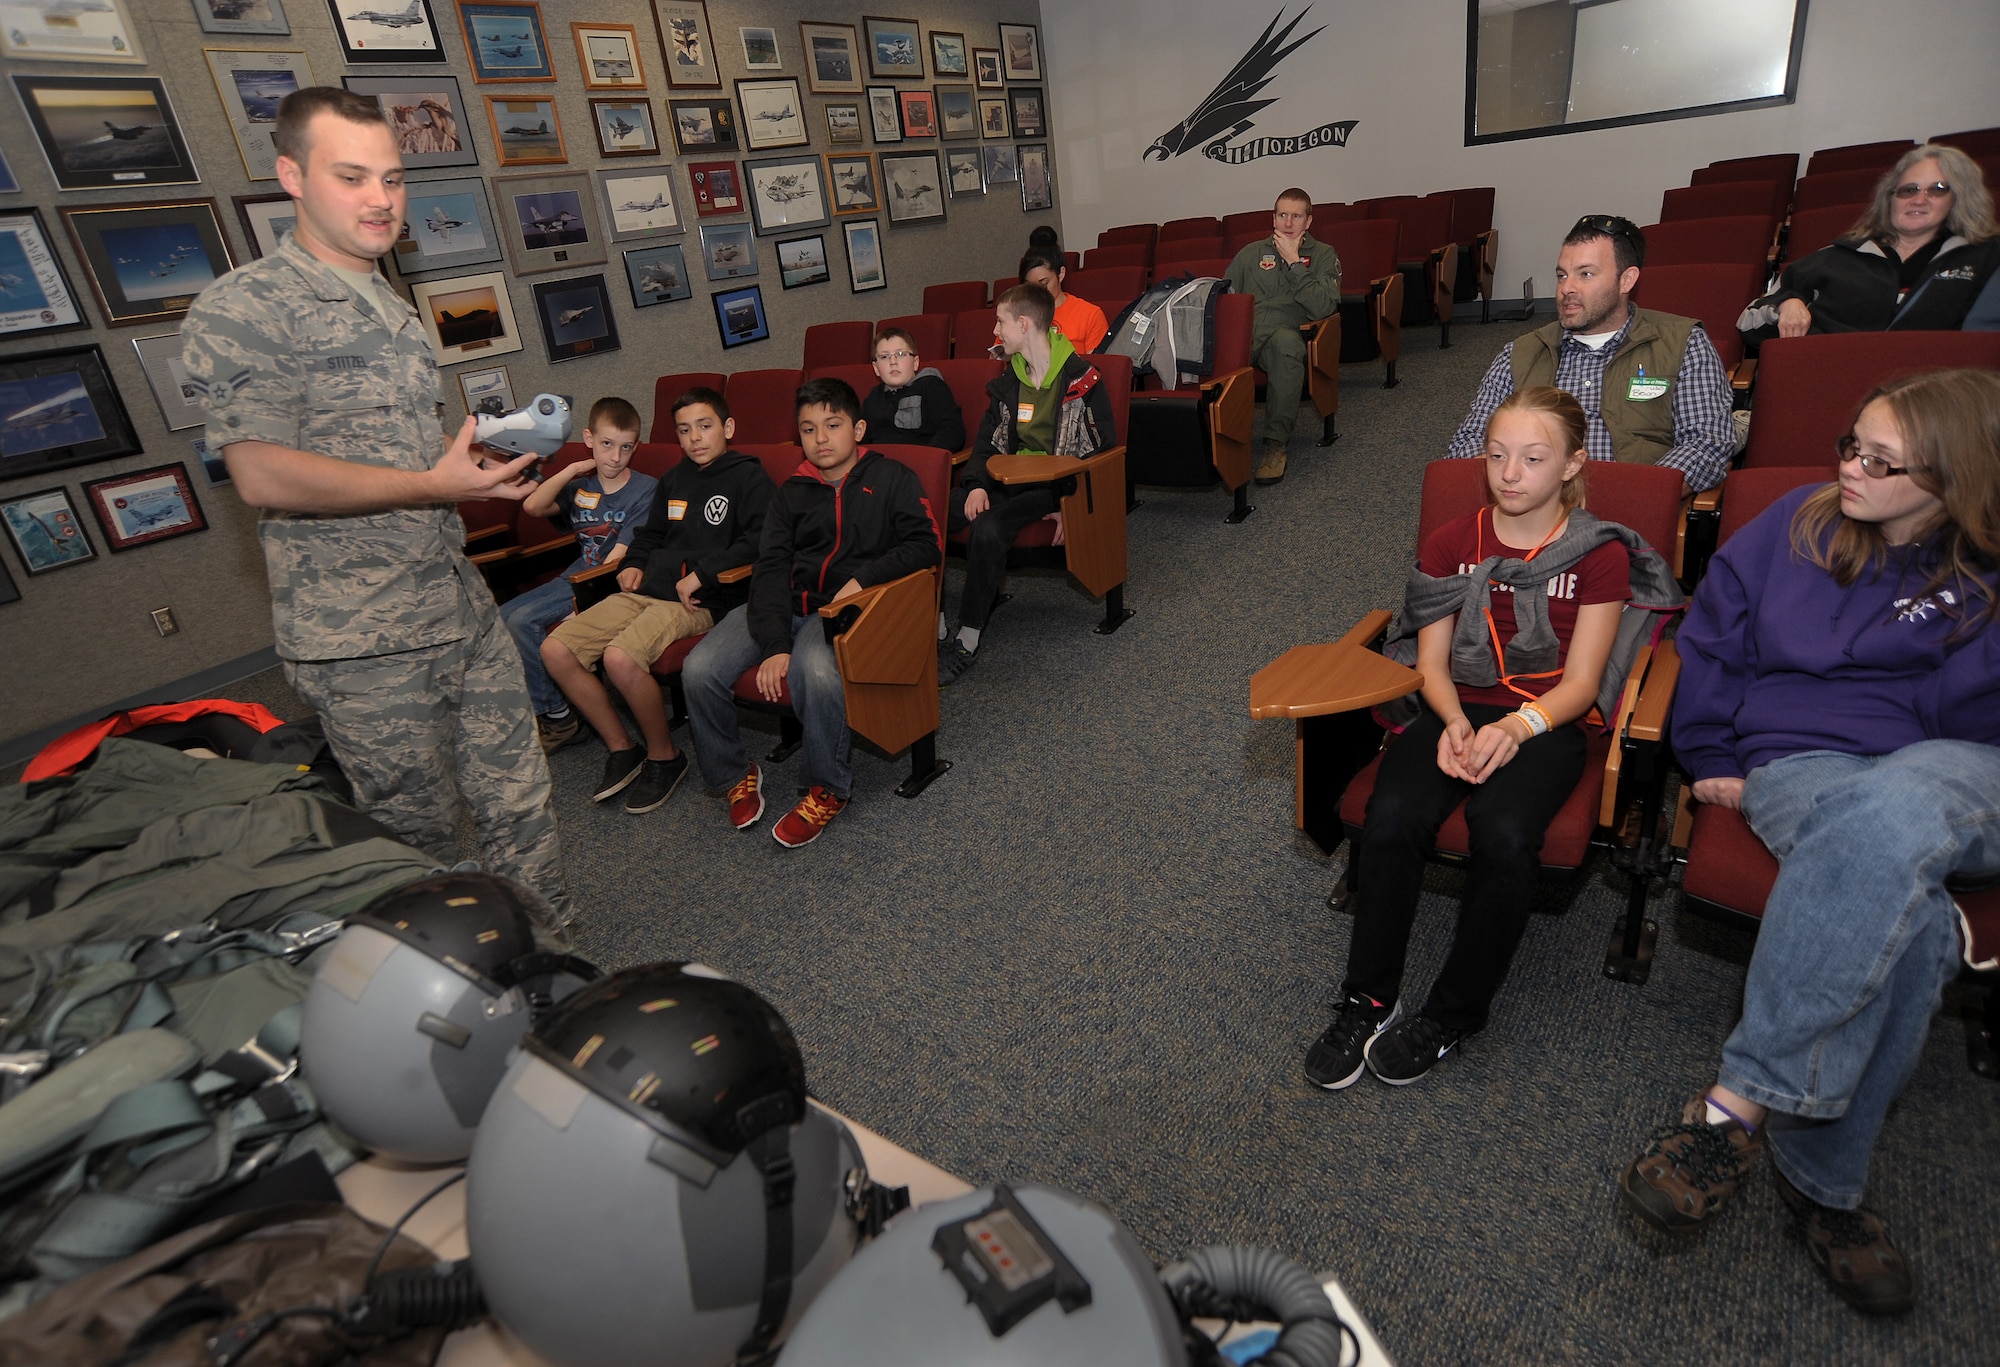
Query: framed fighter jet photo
{"type": "Point", "coordinates": [488, 390]}
{"type": "Point", "coordinates": [641, 202]}
{"type": "Point", "coordinates": [610, 56]}
{"type": "Point", "coordinates": [773, 114]}
{"type": "Point", "coordinates": [68, 31]}
{"type": "Point", "coordinates": [467, 317]}
{"type": "Point", "coordinates": [526, 130]}
{"type": "Point", "coordinates": [427, 115]}
{"type": "Point", "coordinates": [895, 47]}
{"type": "Point", "coordinates": [913, 186]}
{"type": "Point", "coordinates": [60, 408]}
{"type": "Point", "coordinates": [106, 132]}
{"type": "Point", "coordinates": [147, 262]}
{"type": "Point", "coordinates": [505, 41]}
{"type": "Point", "coordinates": [265, 219]}
{"type": "Point", "coordinates": [986, 68]}
{"type": "Point", "coordinates": [144, 506]}
{"type": "Point", "coordinates": [865, 268]}
{"type": "Point", "coordinates": [1021, 52]}
{"type": "Point", "coordinates": [264, 18]}
{"type": "Point", "coordinates": [833, 61]}
{"type": "Point", "coordinates": [403, 32]}
{"type": "Point", "coordinates": [703, 126]}
{"type": "Point", "coordinates": [739, 316]}
{"type": "Point", "coordinates": [786, 193]}
{"type": "Point", "coordinates": [855, 189]}
{"type": "Point", "coordinates": [252, 82]}
{"type": "Point", "coordinates": [802, 261]}
{"type": "Point", "coordinates": [576, 317]}
{"type": "Point", "coordinates": [35, 292]}
{"type": "Point", "coordinates": [447, 225]}
{"type": "Point", "coordinates": [1037, 189]}
{"type": "Point", "coordinates": [1026, 107]}
{"type": "Point", "coordinates": [684, 38]}
{"type": "Point", "coordinates": [658, 275]}
{"type": "Point", "coordinates": [728, 250]}
{"type": "Point", "coordinates": [624, 126]}
{"type": "Point", "coordinates": [46, 531]}
{"type": "Point", "coordinates": [550, 222]}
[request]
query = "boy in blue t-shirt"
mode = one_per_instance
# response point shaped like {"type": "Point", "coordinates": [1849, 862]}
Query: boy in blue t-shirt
{"type": "Point", "coordinates": [604, 501]}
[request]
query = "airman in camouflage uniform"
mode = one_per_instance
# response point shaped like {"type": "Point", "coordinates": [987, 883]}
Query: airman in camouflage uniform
{"type": "Point", "coordinates": [384, 626]}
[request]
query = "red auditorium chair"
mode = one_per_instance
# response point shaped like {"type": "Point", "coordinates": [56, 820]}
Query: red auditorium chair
{"type": "Point", "coordinates": [954, 296]}
{"type": "Point", "coordinates": [837, 344]}
{"type": "Point", "coordinates": [1974, 142]}
{"type": "Point", "coordinates": [1131, 232]}
{"type": "Point", "coordinates": [1255, 221]}
{"type": "Point", "coordinates": [1812, 229]}
{"type": "Point", "coordinates": [860, 378]}
{"type": "Point", "coordinates": [1775, 166]}
{"type": "Point", "coordinates": [1111, 288]}
{"type": "Point", "coordinates": [1326, 214]}
{"type": "Point", "coordinates": [1836, 187]}
{"type": "Point", "coordinates": [514, 550]}
{"type": "Point", "coordinates": [972, 332]}
{"type": "Point", "coordinates": [1858, 156]}
{"type": "Point", "coordinates": [761, 403]}
{"type": "Point", "coordinates": [667, 388]}
{"type": "Point", "coordinates": [1217, 266]}
{"type": "Point", "coordinates": [968, 377]}
{"type": "Point", "coordinates": [930, 331]}
{"type": "Point", "coordinates": [1172, 257]}
{"type": "Point", "coordinates": [1123, 254]}
{"type": "Point", "coordinates": [1808, 387]}
{"type": "Point", "coordinates": [1713, 294]}
{"type": "Point", "coordinates": [1727, 870]}
{"type": "Point", "coordinates": [1327, 691]}
{"type": "Point", "coordinates": [1189, 437]}
{"type": "Point", "coordinates": [1238, 241]}
{"type": "Point", "coordinates": [1176, 229]}
{"type": "Point", "coordinates": [1730, 199]}
{"type": "Point", "coordinates": [1425, 254]}
{"type": "Point", "coordinates": [1371, 292]}
{"type": "Point", "coordinates": [1007, 282]}
{"type": "Point", "coordinates": [1478, 246]}
{"type": "Point", "coordinates": [1703, 241]}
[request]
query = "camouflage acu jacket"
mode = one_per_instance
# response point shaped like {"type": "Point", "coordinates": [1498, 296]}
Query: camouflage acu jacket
{"type": "Point", "coordinates": [283, 352]}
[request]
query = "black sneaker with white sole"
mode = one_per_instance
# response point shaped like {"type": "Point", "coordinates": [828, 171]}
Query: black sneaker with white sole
{"type": "Point", "coordinates": [1408, 1049]}
{"type": "Point", "coordinates": [953, 662]}
{"type": "Point", "coordinates": [620, 768]}
{"type": "Point", "coordinates": [656, 783]}
{"type": "Point", "coordinates": [1335, 1059]}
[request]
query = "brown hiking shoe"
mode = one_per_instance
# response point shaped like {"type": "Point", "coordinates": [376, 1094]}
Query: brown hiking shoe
{"type": "Point", "coordinates": [1270, 466]}
{"type": "Point", "coordinates": [1852, 1248]}
{"type": "Point", "coordinates": [1690, 1171]}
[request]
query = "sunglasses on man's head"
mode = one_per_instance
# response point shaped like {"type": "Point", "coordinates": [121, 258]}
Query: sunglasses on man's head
{"type": "Point", "coordinates": [1937, 189]}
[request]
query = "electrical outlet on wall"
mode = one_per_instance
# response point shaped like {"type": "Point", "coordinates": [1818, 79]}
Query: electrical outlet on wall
{"type": "Point", "coordinates": [163, 621]}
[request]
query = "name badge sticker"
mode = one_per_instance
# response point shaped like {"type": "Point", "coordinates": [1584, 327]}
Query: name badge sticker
{"type": "Point", "coordinates": [587, 500]}
{"type": "Point", "coordinates": [1024, 412]}
{"type": "Point", "coordinates": [676, 509]}
{"type": "Point", "coordinates": [1646, 387]}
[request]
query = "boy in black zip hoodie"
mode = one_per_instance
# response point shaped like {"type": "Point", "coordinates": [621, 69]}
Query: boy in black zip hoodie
{"type": "Point", "coordinates": [847, 520]}
{"type": "Point", "coordinates": [707, 517]}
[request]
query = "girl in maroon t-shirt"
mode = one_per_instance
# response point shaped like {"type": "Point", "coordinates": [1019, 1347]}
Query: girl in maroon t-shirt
{"type": "Point", "coordinates": [1511, 752]}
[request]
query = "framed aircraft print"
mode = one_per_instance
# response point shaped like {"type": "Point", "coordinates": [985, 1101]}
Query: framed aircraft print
{"type": "Point", "coordinates": [106, 132]}
{"type": "Point", "coordinates": [610, 56]}
{"type": "Point", "coordinates": [179, 400]}
{"type": "Point", "coordinates": [447, 225]}
{"type": "Point", "coordinates": [427, 115]}
{"type": "Point", "coordinates": [986, 68]}
{"type": "Point", "coordinates": [658, 275]}
{"type": "Point", "coordinates": [147, 262]}
{"type": "Point", "coordinates": [468, 317]}
{"type": "Point", "coordinates": [251, 82]}
{"type": "Point", "coordinates": [68, 31]}
{"type": "Point", "coordinates": [576, 317]}
{"type": "Point", "coordinates": [786, 193]}
{"type": "Point", "coordinates": [60, 408]}
{"type": "Point", "coordinates": [802, 261]}
{"type": "Point", "coordinates": [833, 59]}
{"type": "Point", "coordinates": [912, 186]}
{"type": "Point", "coordinates": [144, 506]}
{"type": "Point", "coordinates": [265, 219]}
{"type": "Point", "coordinates": [948, 55]}
{"type": "Point", "coordinates": [549, 222]}
{"type": "Point", "coordinates": [505, 41]}
{"type": "Point", "coordinates": [718, 188]}
{"type": "Point", "coordinates": [1020, 52]}
{"type": "Point", "coordinates": [526, 130]}
{"type": "Point", "coordinates": [895, 47]}
{"type": "Point", "coordinates": [684, 38]}
{"type": "Point", "coordinates": [885, 118]}
{"type": "Point", "coordinates": [956, 116]}
{"type": "Point", "coordinates": [624, 126]}
{"type": "Point", "coordinates": [739, 316]}
{"type": "Point", "coordinates": [261, 17]}
{"type": "Point", "coordinates": [772, 113]}
{"type": "Point", "coordinates": [487, 390]}
{"type": "Point", "coordinates": [400, 31]}
{"type": "Point", "coordinates": [703, 126]}
{"type": "Point", "coordinates": [45, 530]}
{"type": "Point", "coordinates": [35, 292]}
{"type": "Point", "coordinates": [640, 202]}
{"type": "Point", "coordinates": [852, 179]}
{"type": "Point", "coordinates": [865, 270]}
{"type": "Point", "coordinates": [728, 250]}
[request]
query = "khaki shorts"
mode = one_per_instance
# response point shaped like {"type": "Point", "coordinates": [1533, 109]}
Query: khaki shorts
{"type": "Point", "coordinates": [642, 627]}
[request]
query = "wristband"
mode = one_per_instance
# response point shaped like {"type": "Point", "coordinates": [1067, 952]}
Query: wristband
{"type": "Point", "coordinates": [1537, 720]}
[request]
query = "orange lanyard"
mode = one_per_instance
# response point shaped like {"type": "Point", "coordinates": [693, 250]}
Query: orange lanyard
{"type": "Point", "coordinates": [1492, 630]}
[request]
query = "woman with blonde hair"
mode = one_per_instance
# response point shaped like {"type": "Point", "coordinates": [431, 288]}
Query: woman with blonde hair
{"type": "Point", "coordinates": [1915, 261]}
{"type": "Point", "coordinates": [1840, 686]}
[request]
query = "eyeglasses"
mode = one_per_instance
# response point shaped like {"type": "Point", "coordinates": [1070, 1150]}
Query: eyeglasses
{"type": "Point", "coordinates": [897, 356]}
{"type": "Point", "coordinates": [1875, 467]}
{"type": "Point", "coordinates": [1937, 189]}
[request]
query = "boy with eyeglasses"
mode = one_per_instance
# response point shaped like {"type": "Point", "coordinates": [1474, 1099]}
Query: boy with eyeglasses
{"type": "Point", "coordinates": [912, 405]}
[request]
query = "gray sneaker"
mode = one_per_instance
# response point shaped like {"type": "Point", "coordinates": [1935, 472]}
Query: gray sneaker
{"type": "Point", "coordinates": [656, 783]}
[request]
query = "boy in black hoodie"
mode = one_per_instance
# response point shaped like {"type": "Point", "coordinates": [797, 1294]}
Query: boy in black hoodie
{"type": "Point", "coordinates": [847, 520]}
{"type": "Point", "coordinates": [707, 517]}
{"type": "Point", "coordinates": [913, 404]}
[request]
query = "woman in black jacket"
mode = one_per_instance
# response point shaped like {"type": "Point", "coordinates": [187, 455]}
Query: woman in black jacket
{"type": "Point", "coordinates": [1914, 262]}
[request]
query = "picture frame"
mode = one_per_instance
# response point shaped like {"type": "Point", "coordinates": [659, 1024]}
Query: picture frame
{"type": "Point", "coordinates": [955, 114]}
{"type": "Point", "coordinates": [760, 49]}
{"type": "Point", "coordinates": [548, 222]}
{"type": "Point", "coordinates": [265, 219]}
{"type": "Point", "coordinates": [251, 82]}
{"type": "Point", "coordinates": [35, 291]}
{"type": "Point", "coordinates": [527, 130]}
{"type": "Point", "coordinates": [802, 261]}
{"type": "Point", "coordinates": [141, 507]}
{"type": "Point", "coordinates": [427, 115]}
{"type": "Point", "coordinates": [948, 54]}
{"type": "Point", "coordinates": [1037, 182]}
{"type": "Point", "coordinates": [1024, 106]}
{"type": "Point", "coordinates": [447, 225]}
{"type": "Point", "coordinates": [963, 171]}
{"type": "Point", "coordinates": [885, 115]}
{"type": "Point", "coordinates": [728, 251]}
{"type": "Point", "coordinates": [505, 41]}
{"type": "Point", "coordinates": [993, 117]}
{"type": "Point", "coordinates": [212, 463]}
{"type": "Point", "coordinates": [740, 317]}
{"type": "Point", "coordinates": [45, 530]}
{"type": "Point", "coordinates": [918, 111]}
{"type": "Point", "coordinates": [488, 390]}
{"type": "Point", "coordinates": [998, 165]}
{"type": "Point", "coordinates": [684, 38]}
{"type": "Point", "coordinates": [658, 275]}
{"type": "Point", "coordinates": [718, 188]}
{"type": "Point", "coordinates": [773, 113]}
{"type": "Point", "coordinates": [147, 262]}
{"type": "Point", "coordinates": [98, 33]}
{"type": "Point", "coordinates": [576, 317]}
{"type": "Point", "coordinates": [852, 183]}
{"type": "Point", "coordinates": [144, 147]}
{"type": "Point", "coordinates": [866, 269]}
{"type": "Point", "coordinates": [786, 193]}
{"type": "Point", "coordinates": [609, 55]}
{"type": "Point", "coordinates": [386, 31]}
{"type": "Point", "coordinates": [467, 317]}
{"type": "Point", "coordinates": [895, 48]}
{"type": "Point", "coordinates": [703, 126]}
{"type": "Point", "coordinates": [262, 17]}
{"type": "Point", "coordinates": [1021, 52]}
{"type": "Point", "coordinates": [59, 408]}
{"type": "Point", "coordinates": [624, 126]}
{"type": "Point", "coordinates": [833, 58]}
{"type": "Point", "coordinates": [912, 187]}
{"type": "Point", "coordinates": [986, 72]}
{"type": "Point", "coordinates": [640, 203]}
{"type": "Point", "coordinates": [843, 123]}
{"type": "Point", "coordinates": [179, 401]}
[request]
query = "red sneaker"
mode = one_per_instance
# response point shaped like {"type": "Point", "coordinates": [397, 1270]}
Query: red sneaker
{"type": "Point", "coordinates": [746, 800]}
{"type": "Point", "coordinates": [802, 824]}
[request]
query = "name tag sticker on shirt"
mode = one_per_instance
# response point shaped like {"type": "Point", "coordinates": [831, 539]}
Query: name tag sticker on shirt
{"type": "Point", "coordinates": [1646, 387]}
{"type": "Point", "coordinates": [676, 509]}
{"type": "Point", "coordinates": [1024, 412]}
{"type": "Point", "coordinates": [587, 500]}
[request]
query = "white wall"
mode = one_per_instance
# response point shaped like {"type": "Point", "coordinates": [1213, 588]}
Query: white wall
{"type": "Point", "coordinates": [1122, 72]}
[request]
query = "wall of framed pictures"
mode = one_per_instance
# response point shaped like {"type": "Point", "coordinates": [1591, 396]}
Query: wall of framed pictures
{"type": "Point", "coordinates": [635, 186]}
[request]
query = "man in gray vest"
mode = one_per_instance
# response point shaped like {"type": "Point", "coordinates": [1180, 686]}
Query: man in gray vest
{"type": "Point", "coordinates": [1651, 383]}
{"type": "Point", "coordinates": [321, 392]}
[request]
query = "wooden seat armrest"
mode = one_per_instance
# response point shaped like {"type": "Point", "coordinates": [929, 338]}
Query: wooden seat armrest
{"type": "Point", "coordinates": [959, 458]}
{"type": "Point", "coordinates": [1707, 501]}
{"type": "Point", "coordinates": [860, 602]}
{"type": "Point", "coordinates": [1614, 762]}
{"type": "Point", "coordinates": [481, 535]}
{"type": "Point", "coordinates": [1648, 721]}
{"type": "Point", "coordinates": [1218, 386]}
{"type": "Point", "coordinates": [485, 558]}
{"type": "Point", "coordinates": [1035, 469]}
{"type": "Point", "coordinates": [597, 572]}
{"type": "Point", "coordinates": [1342, 676]}
{"type": "Point", "coordinates": [885, 640]}
{"type": "Point", "coordinates": [558, 543]}
{"type": "Point", "coordinates": [1745, 372]}
{"type": "Point", "coordinates": [735, 574]}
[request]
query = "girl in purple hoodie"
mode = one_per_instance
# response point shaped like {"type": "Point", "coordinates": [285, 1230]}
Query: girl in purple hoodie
{"type": "Point", "coordinates": [1841, 688]}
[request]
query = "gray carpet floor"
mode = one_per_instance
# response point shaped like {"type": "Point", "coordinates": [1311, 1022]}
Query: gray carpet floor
{"type": "Point", "coordinates": [1094, 953]}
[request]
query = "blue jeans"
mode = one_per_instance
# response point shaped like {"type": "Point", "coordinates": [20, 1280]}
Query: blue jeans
{"type": "Point", "coordinates": [528, 617]}
{"type": "Point", "coordinates": [709, 680]}
{"type": "Point", "coordinates": [1859, 939]}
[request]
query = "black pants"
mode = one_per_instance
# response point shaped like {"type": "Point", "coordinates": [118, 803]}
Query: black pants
{"type": "Point", "coordinates": [1507, 817]}
{"type": "Point", "coordinates": [987, 542]}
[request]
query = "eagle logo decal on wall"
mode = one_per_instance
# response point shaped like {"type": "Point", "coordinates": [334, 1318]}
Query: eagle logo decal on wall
{"type": "Point", "coordinates": [1229, 109]}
